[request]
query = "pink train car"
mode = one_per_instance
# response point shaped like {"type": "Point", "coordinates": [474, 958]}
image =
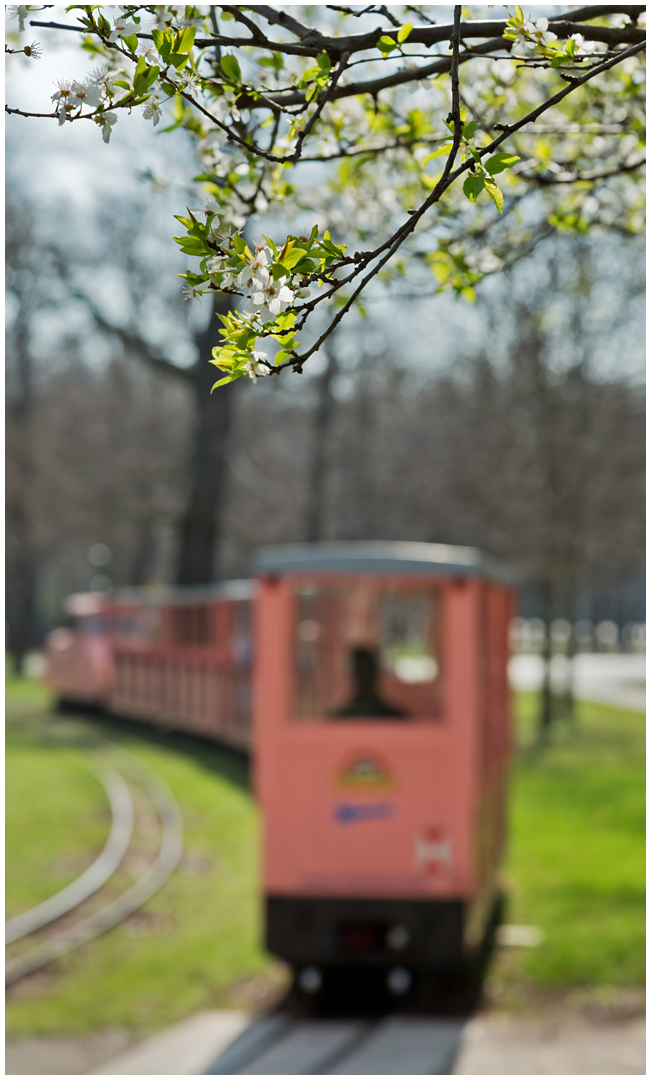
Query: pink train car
{"type": "Point", "coordinates": [380, 706]}
{"type": "Point", "coordinates": [180, 659]}
{"type": "Point", "coordinates": [382, 742]}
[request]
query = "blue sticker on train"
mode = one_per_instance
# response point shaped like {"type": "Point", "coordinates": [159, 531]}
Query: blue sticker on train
{"type": "Point", "coordinates": [348, 813]}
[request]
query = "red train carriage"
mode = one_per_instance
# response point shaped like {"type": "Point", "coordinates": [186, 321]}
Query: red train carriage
{"type": "Point", "coordinates": [381, 720]}
{"type": "Point", "coordinates": [382, 744]}
{"type": "Point", "coordinates": [180, 659]}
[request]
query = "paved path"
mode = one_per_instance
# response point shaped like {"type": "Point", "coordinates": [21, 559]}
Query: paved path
{"type": "Point", "coordinates": [229, 1043]}
{"type": "Point", "coordinates": [613, 678]}
{"type": "Point", "coordinates": [502, 1046]}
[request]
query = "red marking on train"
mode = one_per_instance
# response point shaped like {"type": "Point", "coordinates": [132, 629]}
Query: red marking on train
{"type": "Point", "coordinates": [433, 849]}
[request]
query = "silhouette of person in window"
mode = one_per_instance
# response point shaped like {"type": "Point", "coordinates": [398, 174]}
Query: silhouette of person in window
{"type": "Point", "coordinates": [366, 700]}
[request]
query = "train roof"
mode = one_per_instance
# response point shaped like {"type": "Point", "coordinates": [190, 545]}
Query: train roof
{"type": "Point", "coordinates": [241, 589]}
{"type": "Point", "coordinates": [382, 556]}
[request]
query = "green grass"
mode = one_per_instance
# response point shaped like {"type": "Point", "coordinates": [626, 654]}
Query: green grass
{"type": "Point", "coordinates": [576, 859]}
{"type": "Point", "coordinates": [57, 820]}
{"type": "Point", "coordinates": [575, 864]}
{"type": "Point", "coordinates": [194, 939]}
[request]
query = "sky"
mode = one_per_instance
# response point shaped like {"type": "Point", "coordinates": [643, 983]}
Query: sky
{"type": "Point", "coordinates": [69, 176]}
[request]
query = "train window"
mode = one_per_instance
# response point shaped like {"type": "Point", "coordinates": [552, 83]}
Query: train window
{"type": "Point", "coordinates": [193, 625]}
{"type": "Point", "coordinates": [366, 652]}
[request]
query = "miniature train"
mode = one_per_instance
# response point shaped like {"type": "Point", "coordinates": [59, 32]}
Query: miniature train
{"type": "Point", "coordinates": [369, 680]}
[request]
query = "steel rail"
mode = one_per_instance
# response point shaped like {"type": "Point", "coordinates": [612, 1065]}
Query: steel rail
{"type": "Point", "coordinates": [113, 913]}
{"type": "Point", "coordinates": [96, 875]}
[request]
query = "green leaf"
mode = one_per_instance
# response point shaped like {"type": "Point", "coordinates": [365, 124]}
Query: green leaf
{"type": "Point", "coordinates": [144, 76]}
{"type": "Point", "coordinates": [292, 257]}
{"type": "Point", "coordinates": [306, 266]}
{"type": "Point", "coordinates": [518, 12]}
{"type": "Point", "coordinates": [186, 39]}
{"type": "Point", "coordinates": [404, 32]}
{"type": "Point", "coordinates": [231, 68]}
{"type": "Point", "coordinates": [324, 62]}
{"type": "Point", "coordinates": [498, 162]}
{"type": "Point", "coordinates": [473, 187]}
{"type": "Point", "coordinates": [386, 44]}
{"type": "Point", "coordinates": [226, 379]}
{"type": "Point", "coordinates": [495, 193]}
{"type": "Point", "coordinates": [470, 129]}
{"type": "Point", "coordinates": [159, 40]}
{"type": "Point", "coordinates": [439, 152]}
{"type": "Point", "coordinates": [131, 42]}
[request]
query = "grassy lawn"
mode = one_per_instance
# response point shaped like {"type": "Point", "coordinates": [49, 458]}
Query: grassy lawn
{"type": "Point", "coordinates": [575, 866]}
{"type": "Point", "coordinates": [193, 941]}
{"type": "Point", "coordinates": [576, 860]}
{"type": "Point", "coordinates": [57, 820]}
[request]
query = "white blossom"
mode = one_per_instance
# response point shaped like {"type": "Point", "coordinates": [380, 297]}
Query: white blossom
{"type": "Point", "coordinates": [216, 264]}
{"type": "Point", "coordinates": [255, 366]}
{"type": "Point", "coordinates": [220, 231]}
{"type": "Point", "coordinates": [152, 110]}
{"type": "Point", "coordinates": [123, 27]}
{"type": "Point", "coordinates": [106, 121]}
{"type": "Point", "coordinates": [163, 17]}
{"type": "Point", "coordinates": [86, 93]}
{"type": "Point", "coordinates": [273, 300]}
{"type": "Point", "coordinates": [194, 292]}
{"type": "Point", "coordinates": [19, 12]}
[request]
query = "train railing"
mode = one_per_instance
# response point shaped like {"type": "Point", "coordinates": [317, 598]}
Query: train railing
{"type": "Point", "coordinates": [208, 696]}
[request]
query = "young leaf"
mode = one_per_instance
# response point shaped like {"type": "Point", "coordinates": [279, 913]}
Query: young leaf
{"type": "Point", "coordinates": [495, 193]}
{"type": "Point", "coordinates": [470, 129]}
{"type": "Point", "coordinates": [404, 32]}
{"type": "Point", "coordinates": [186, 39]}
{"type": "Point", "coordinates": [386, 44]}
{"type": "Point", "coordinates": [231, 68]}
{"type": "Point", "coordinates": [226, 379]}
{"type": "Point", "coordinates": [292, 257]}
{"type": "Point", "coordinates": [439, 152]}
{"type": "Point", "coordinates": [159, 40]}
{"type": "Point", "coordinates": [473, 187]}
{"type": "Point", "coordinates": [498, 162]}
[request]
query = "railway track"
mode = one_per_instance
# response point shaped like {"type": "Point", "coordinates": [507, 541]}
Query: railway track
{"type": "Point", "coordinates": [390, 1045]}
{"type": "Point", "coordinates": [122, 775]}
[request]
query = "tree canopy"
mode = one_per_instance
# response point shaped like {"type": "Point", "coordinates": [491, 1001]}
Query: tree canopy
{"type": "Point", "coordinates": [384, 138]}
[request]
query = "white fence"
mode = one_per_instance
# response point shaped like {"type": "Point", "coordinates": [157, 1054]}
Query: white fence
{"type": "Point", "coordinates": [528, 635]}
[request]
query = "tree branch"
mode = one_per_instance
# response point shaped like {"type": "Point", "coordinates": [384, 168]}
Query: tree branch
{"type": "Point", "coordinates": [447, 178]}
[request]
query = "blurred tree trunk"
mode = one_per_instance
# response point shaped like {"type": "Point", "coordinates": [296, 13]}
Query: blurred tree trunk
{"type": "Point", "coordinates": [569, 700]}
{"type": "Point", "coordinates": [199, 527]}
{"type": "Point", "coordinates": [325, 409]}
{"type": "Point", "coordinates": [546, 704]}
{"type": "Point", "coordinates": [21, 555]}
